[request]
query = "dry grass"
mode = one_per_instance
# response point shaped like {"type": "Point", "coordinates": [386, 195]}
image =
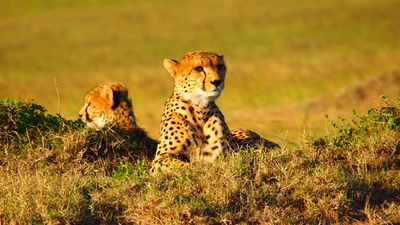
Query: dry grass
{"type": "Point", "coordinates": [62, 173]}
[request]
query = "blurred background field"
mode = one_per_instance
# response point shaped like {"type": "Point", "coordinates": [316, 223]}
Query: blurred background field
{"type": "Point", "coordinates": [289, 62]}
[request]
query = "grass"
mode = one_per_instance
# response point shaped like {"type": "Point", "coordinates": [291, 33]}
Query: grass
{"type": "Point", "coordinates": [277, 54]}
{"type": "Point", "coordinates": [53, 171]}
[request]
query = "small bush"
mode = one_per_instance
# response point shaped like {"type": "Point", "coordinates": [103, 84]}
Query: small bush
{"type": "Point", "coordinates": [26, 122]}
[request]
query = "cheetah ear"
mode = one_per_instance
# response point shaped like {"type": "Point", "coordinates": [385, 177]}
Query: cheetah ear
{"type": "Point", "coordinates": [171, 66]}
{"type": "Point", "coordinates": [108, 94]}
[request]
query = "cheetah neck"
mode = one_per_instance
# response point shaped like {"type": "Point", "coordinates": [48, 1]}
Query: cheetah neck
{"type": "Point", "coordinates": [126, 118]}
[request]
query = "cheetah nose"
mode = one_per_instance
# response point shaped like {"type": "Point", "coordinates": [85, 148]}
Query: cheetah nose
{"type": "Point", "coordinates": [80, 115]}
{"type": "Point", "coordinates": [216, 83]}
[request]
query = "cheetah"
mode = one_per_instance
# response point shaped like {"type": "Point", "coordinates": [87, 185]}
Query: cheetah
{"type": "Point", "coordinates": [109, 104]}
{"type": "Point", "coordinates": [192, 126]}
{"type": "Point", "coordinates": [250, 139]}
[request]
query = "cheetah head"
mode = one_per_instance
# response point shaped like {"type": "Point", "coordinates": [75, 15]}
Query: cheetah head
{"type": "Point", "coordinates": [199, 76]}
{"type": "Point", "coordinates": [105, 104]}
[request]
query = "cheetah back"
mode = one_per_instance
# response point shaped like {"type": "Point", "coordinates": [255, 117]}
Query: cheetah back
{"type": "Point", "coordinates": [250, 139]}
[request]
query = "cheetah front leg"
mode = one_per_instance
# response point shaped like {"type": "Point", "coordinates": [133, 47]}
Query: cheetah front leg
{"type": "Point", "coordinates": [218, 139]}
{"type": "Point", "coordinates": [177, 140]}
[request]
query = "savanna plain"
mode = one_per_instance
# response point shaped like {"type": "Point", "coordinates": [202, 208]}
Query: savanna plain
{"type": "Point", "coordinates": [320, 78]}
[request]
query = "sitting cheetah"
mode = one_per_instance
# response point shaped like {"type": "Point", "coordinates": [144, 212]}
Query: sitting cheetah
{"type": "Point", "coordinates": [192, 126]}
{"type": "Point", "coordinates": [109, 103]}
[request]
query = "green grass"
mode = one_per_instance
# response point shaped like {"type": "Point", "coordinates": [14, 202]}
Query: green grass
{"type": "Point", "coordinates": [277, 54]}
{"type": "Point", "coordinates": [54, 171]}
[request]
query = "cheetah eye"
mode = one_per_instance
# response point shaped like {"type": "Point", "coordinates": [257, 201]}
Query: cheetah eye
{"type": "Point", "coordinates": [199, 68]}
{"type": "Point", "coordinates": [220, 67]}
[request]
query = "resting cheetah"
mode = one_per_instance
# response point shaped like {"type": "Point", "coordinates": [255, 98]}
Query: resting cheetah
{"type": "Point", "coordinates": [109, 103]}
{"type": "Point", "coordinates": [192, 126]}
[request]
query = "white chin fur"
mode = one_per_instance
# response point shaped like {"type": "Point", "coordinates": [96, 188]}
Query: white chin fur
{"type": "Point", "coordinates": [96, 124]}
{"type": "Point", "coordinates": [202, 98]}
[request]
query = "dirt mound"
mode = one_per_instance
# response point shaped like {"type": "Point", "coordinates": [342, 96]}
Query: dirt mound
{"type": "Point", "coordinates": [308, 116]}
{"type": "Point", "coordinates": [359, 96]}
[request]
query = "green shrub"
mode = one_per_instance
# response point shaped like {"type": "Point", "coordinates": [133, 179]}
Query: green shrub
{"type": "Point", "coordinates": [25, 122]}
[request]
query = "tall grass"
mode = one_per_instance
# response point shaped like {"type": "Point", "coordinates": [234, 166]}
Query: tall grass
{"type": "Point", "coordinates": [277, 54]}
{"type": "Point", "coordinates": [54, 171]}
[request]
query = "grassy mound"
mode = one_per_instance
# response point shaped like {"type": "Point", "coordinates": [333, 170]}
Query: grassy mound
{"type": "Point", "coordinates": [52, 170]}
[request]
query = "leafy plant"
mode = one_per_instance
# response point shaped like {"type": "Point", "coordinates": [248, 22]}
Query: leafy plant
{"type": "Point", "coordinates": [27, 121]}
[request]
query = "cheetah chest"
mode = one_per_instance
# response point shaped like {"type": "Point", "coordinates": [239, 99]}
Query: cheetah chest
{"type": "Point", "coordinates": [196, 134]}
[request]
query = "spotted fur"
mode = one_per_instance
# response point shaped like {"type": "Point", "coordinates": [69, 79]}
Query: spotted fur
{"type": "Point", "coordinates": [192, 126]}
{"type": "Point", "coordinates": [109, 104]}
{"type": "Point", "coordinates": [250, 139]}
